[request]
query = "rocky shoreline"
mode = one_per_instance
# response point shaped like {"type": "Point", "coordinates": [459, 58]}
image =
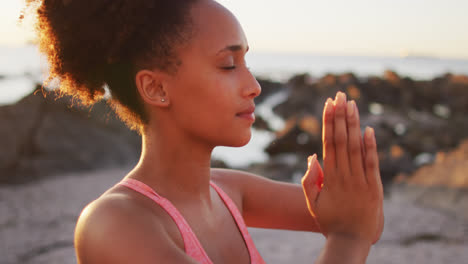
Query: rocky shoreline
{"type": "Point", "coordinates": [56, 158]}
{"type": "Point", "coordinates": [414, 120]}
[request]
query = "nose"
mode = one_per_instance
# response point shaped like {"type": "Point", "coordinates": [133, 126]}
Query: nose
{"type": "Point", "coordinates": [252, 87]}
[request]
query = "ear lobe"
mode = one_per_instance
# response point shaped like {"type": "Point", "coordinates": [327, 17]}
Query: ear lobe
{"type": "Point", "coordinates": [151, 88]}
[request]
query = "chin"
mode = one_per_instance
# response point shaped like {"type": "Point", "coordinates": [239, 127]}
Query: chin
{"type": "Point", "coordinates": [244, 141]}
{"type": "Point", "coordinates": [238, 141]}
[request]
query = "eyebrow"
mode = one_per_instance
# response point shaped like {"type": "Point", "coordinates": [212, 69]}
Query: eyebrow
{"type": "Point", "coordinates": [233, 48]}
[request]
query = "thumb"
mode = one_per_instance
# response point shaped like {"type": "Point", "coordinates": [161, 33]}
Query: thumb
{"type": "Point", "coordinates": [312, 180]}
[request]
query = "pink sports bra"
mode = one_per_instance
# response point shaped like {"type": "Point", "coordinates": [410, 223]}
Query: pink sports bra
{"type": "Point", "coordinates": [193, 247]}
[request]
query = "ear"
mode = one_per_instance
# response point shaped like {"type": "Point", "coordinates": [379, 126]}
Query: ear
{"type": "Point", "coordinates": [150, 85]}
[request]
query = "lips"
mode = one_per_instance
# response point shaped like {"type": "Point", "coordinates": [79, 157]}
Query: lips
{"type": "Point", "coordinates": [248, 114]}
{"type": "Point", "coordinates": [248, 111]}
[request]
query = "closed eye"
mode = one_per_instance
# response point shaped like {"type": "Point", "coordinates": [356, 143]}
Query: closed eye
{"type": "Point", "coordinates": [229, 67]}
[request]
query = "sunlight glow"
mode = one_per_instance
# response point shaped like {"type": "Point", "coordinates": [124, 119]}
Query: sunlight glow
{"type": "Point", "coordinates": [362, 27]}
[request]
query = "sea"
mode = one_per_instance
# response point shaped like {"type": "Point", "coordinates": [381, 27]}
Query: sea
{"type": "Point", "coordinates": [21, 67]}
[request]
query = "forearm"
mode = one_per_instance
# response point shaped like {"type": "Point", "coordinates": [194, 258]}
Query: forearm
{"type": "Point", "coordinates": [290, 212]}
{"type": "Point", "coordinates": [342, 249]}
{"type": "Point", "coordinates": [287, 210]}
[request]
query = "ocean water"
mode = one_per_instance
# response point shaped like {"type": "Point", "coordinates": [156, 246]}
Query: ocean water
{"type": "Point", "coordinates": [281, 66]}
{"type": "Point", "coordinates": [22, 67]}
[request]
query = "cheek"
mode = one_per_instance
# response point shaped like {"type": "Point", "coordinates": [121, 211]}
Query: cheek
{"type": "Point", "coordinates": [203, 101]}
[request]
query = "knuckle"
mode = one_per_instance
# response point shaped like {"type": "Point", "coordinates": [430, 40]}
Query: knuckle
{"type": "Point", "coordinates": [358, 184]}
{"type": "Point", "coordinates": [375, 195]}
{"type": "Point", "coordinates": [328, 134]}
{"type": "Point", "coordinates": [354, 147]}
{"type": "Point", "coordinates": [340, 114]}
{"type": "Point", "coordinates": [370, 146]}
{"type": "Point", "coordinates": [328, 142]}
{"type": "Point", "coordinates": [328, 116]}
{"type": "Point", "coordinates": [352, 122]}
{"type": "Point", "coordinates": [341, 138]}
{"type": "Point", "coordinates": [371, 161]}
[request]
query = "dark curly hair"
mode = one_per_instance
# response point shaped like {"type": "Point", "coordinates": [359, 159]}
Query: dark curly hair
{"type": "Point", "coordinates": [91, 44]}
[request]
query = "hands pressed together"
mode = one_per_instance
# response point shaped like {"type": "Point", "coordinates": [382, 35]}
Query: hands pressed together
{"type": "Point", "coordinates": [346, 197]}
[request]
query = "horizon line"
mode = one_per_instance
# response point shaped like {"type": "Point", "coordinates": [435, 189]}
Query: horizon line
{"type": "Point", "coordinates": [404, 55]}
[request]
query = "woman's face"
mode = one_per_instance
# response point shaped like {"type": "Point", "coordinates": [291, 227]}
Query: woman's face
{"type": "Point", "coordinates": [213, 84]}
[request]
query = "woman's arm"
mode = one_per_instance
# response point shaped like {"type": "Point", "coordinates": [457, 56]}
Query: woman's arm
{"type": "Point", "coordinates": [267, 203]}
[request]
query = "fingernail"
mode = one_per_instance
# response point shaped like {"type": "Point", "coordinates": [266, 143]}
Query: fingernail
{"type": "Point", "coordinates": [355, 107]}
{"type": "Point", "coordinates": [367, 133]}
{"type": "Point", "coordinates": [350, 109]}
{"type": "Point", "coordinates": [373, 135]}
{"type": "Point", "coordinates": [329, 105]}
{"type": "Point", "coordinates": [370, 134]}
{"type": "Point", "coordinates": [311, 160]}
{"type": "Point", "coordinates": [341, 99]}
{"type": "Point", "coordinates": [335, 102]}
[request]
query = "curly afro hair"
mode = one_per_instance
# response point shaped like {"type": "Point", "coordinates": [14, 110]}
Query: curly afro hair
{"type": "Point", "coordinates": [91, 44]}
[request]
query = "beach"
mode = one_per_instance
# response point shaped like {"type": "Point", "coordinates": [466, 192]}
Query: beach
{"type": "Point", "coordinates": [56, 159]}
{"type": "Point", "coordinates": [37, 222]}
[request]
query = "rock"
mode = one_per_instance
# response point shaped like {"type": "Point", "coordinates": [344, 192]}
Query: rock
{"type": "Point", "coordinates": [261, 124]}
{"type": "Point", "coordinates": [268, 88]}
{"type": "Point", "coordinates": [215, 163]}
{"type": "Point", "coordinates": [454, 93]}
{"type": "Point", "coordinates": [308, 95]}
{"type": "Point", "coordinates": [448, 170]}
{"type": "Point", "coordinates": [282, 167]}
{"type": "Point", "coordinates": [301, 136]}
{"type": "Point", "coordinates": [441, 185]}
{"type": "Point", "coordinates": [420, 117]}
{"type": "Point", "coordinates": [45, 137]}
{"type": "Point", "coordinates": [394, 160]}
{"type": "Point", "coordinates": [302, 97]}
{"type": "Point", "coordinates": [387, 92]}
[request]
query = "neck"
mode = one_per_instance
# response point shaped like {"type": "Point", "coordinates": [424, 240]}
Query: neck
{"type": "Point", "coordinates": [178, 170]}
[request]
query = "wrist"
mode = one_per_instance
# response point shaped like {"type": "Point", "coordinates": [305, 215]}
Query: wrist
{"type": "Point", "coordinates": [347, 238]}
{"type": "Point", "coordinates": [351, 248]}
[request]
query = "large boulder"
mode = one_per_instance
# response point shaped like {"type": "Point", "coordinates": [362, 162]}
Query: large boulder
{"type": "Point", "coordinates": [442, 185]}
{"type": "Point", "coordinates": [450, 169]}
{"type": "Point", "coordinates": [42, 136]}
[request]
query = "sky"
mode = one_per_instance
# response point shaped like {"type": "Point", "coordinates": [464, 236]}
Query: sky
{"type": "Point", "coordinates": [333, 27]}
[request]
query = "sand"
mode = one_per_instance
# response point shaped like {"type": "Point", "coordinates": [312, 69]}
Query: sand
{"type": "Point", "coordinates": [37, 222]}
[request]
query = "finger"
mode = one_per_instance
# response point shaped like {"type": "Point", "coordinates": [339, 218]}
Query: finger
{"type": "Point", "coordinates": [363, 149]}
{"type": "Point", "coordinates": [311, 175]}
{"type": "Point", "coordinates": [372, 160]}
{"type": "Point", "coordinates": [309, 186]}
{"type": "Point", "coordinates": [329, 159]}
{"type": "Point", "coordinates": [341, 137]}
{"type": "Point", "coordinates": [354, 144]}
{"type": "Point", "coordinates": [363, 153]}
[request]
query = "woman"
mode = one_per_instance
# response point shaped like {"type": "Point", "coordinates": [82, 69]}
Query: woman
{"type": "Point", "coordinates": [176, 73]}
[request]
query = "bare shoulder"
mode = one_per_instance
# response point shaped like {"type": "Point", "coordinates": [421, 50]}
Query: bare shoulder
{"type": "Point", "coordinates": [229, 180]}
{"type": "Point", "coordinates": [116, 229]}
{"type": "Point", "coordinates": [233, 177]}
{"type": "Point", "coordinates": [236, 183]}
